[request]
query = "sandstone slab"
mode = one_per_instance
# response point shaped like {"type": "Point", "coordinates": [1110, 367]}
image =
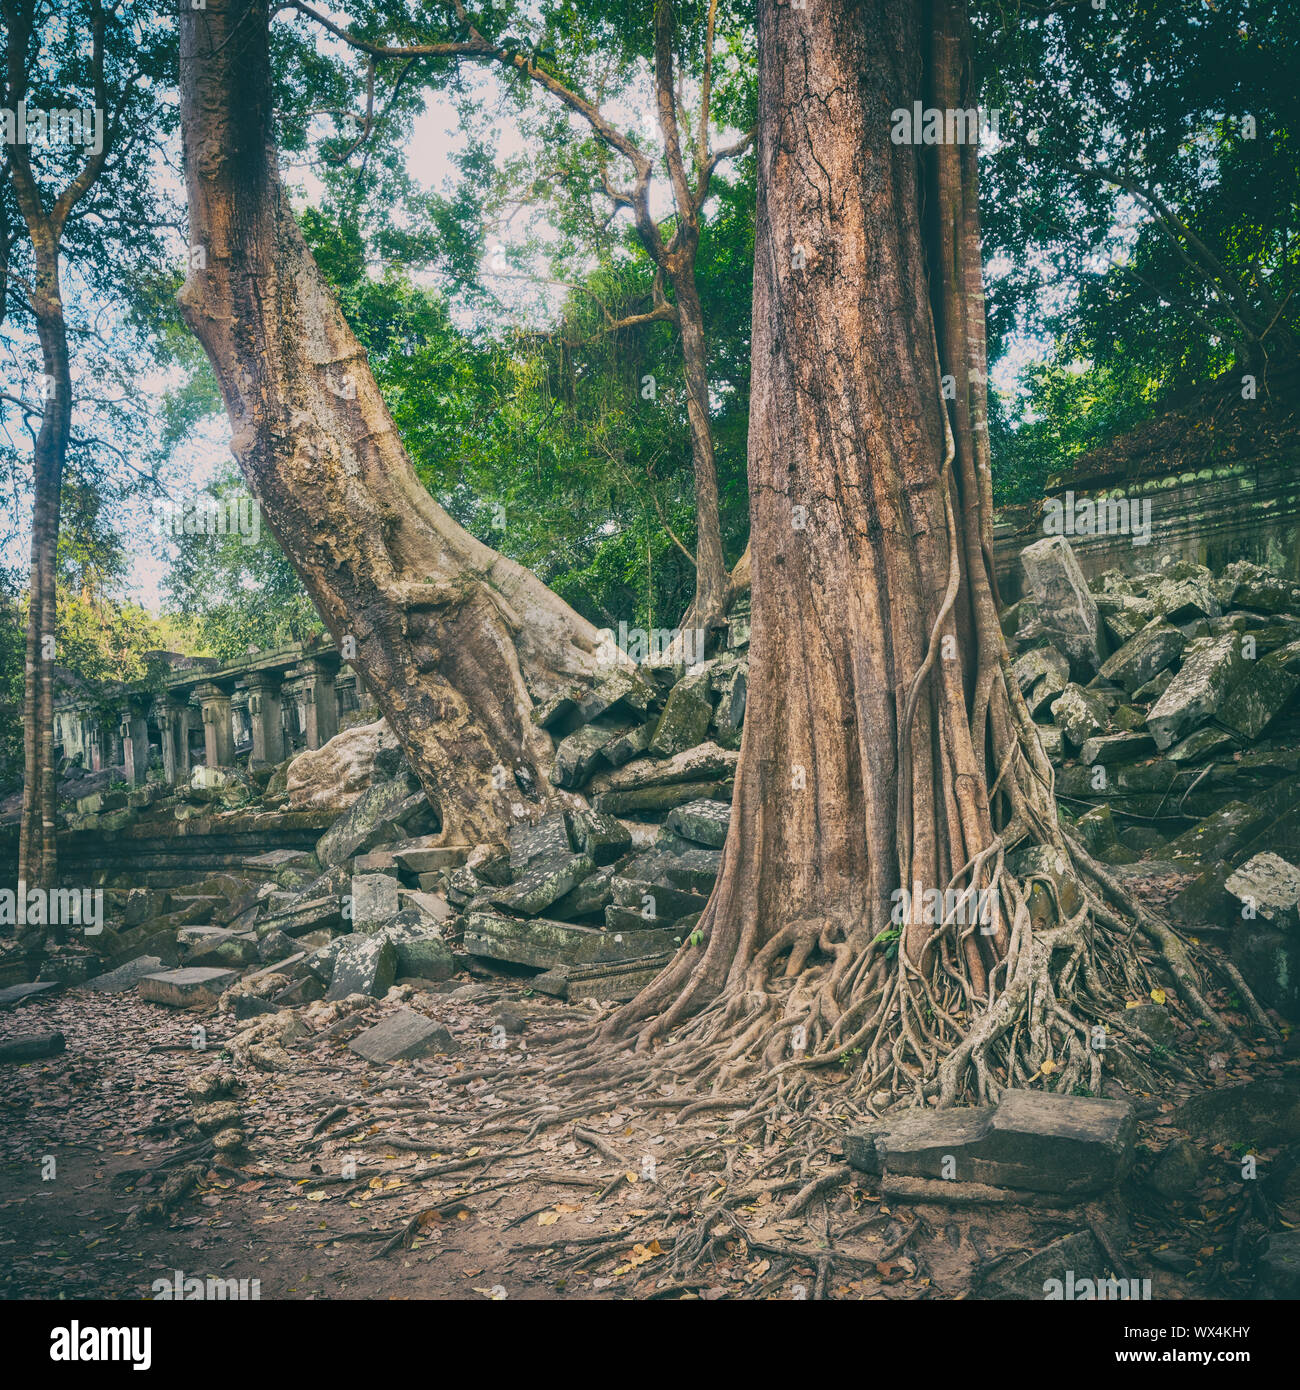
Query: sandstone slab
{"type": "Point", "coordinates": [1030, 1141]}
{"type": "Point", "coordinates": [403, 1036]}
{"type": "Point", "coordinates": [195, 984]}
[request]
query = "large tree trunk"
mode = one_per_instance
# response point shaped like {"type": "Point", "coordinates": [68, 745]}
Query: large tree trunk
{"type": "Point", "coordinates": [37, 857]}
{"type": "Point", "coordinates": [879, 711]}
{"type": "Point", "coordinates": [456, 642]}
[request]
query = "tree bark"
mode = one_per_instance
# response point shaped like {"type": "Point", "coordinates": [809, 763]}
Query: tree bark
{"type": "Point", "coordinates": [457, 643]}
{"type": "Point", "coordinates": [848, 490]}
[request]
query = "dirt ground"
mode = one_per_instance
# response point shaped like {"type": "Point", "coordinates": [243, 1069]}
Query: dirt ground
{"type": "Point", "coordinates": [365, 1181]}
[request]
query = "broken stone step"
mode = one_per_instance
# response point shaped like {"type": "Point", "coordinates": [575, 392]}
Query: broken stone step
{"type": "Point", "coordinates": [1218, 835]}
{"type": "Point", "coordinates": [579, 754]}
{"type": "Point", "coordinates": [602, 837]}
{"type": "Point", "coordinates": [192, 985]}
{"type": "Point", "coordinates": [200, 936]}
{"type": "Point", "coordinates": [696, 870]}
{"type": "Point", "coordinates": [1270, 887]}
{"type": "Point", "coordinates": [1067, 613]}
{"type": "Point", "coordinates": [1197, 691]}
{"type": "Point", "coordinates": [198, 907]}
{"type": "Point", "coordinates": [378, 861]}
{"type": "Point", "coordinates": [591, 896]}
{"type": "Point", "coordinates": [385, 811]}
{"type": "Point", "coordinates": [283, 859]}
{"type": "Point", "coordinates": [31, 1047]}
{"type": "Point", "coordinates": [1256, 699]}
{"type": "Point", "coordinates": [374, 900]}
{"type": "Point", "coordinates": [546, 944]}
{"type": "Point", "coordinates": [686, 717]}
{"type": "Point", "coordinates": [706, 762]}
{"type": "Point", "coordinates": [1080, 714]}
{"type": "Point", "coordinates": [1032, 1141]}
{"type": "Point", "coordinates": [403, 1036]}
{"type": "Point", "coordinates": [631, 745]}
{"type": "Point", "coordinates": [430, 905]}
{"type": "Point", "coordinates": [1200, 744]}
{"type": "Point", "coordinates": [1151, 650]}
{"type": "Point", "coordinates": [227, 949]}
{"type": "Point", "coordinates": [625, 686]}
{"type": "Point", "coordinates": [15, 995]}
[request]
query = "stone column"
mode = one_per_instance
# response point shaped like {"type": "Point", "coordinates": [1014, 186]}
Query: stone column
{"type": "Point", "coordinates": [166, 718]}
{"type": "Point", "coordinates": [321, 704]}
{"type": "Point", "coordinates": [217, 737]}
{"type": "Point", "coordinates": [135, 745]}
{"type": "Point", "coordinates": [264, 715]}
{"type": "Point", "coordinates": [185, 715]}
{"type": "Point", "coordinates": [174, 725]}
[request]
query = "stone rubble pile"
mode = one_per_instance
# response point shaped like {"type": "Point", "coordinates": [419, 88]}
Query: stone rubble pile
{"type": "Point", "coordinates": [590, 901]}
{"type": "Point", "coordinates": [1167, 702]}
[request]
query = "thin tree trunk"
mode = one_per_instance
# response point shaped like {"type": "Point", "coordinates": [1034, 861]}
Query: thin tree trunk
{"type": "Point", "coordinates": [709, 609]}
{"type": "Point", "coordinates": [457, 643]}
{"type": "Point", "coordinates": [37, 845]}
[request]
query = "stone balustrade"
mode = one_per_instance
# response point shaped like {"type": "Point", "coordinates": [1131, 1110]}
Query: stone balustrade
{"type": "Point", "coordinates": [254, 712]}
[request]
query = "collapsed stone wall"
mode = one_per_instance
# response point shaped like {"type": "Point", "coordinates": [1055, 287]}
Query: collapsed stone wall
{"type": "Point", "coordinates": [1167, 702]}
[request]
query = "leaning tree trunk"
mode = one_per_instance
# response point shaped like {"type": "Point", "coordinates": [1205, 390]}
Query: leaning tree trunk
{"type": "Point", "coordinates": [884, 747]}
{"type": "Point", "coordinates": [456, 642]}
{"type": "Point", "coordinates": [37, 846]}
